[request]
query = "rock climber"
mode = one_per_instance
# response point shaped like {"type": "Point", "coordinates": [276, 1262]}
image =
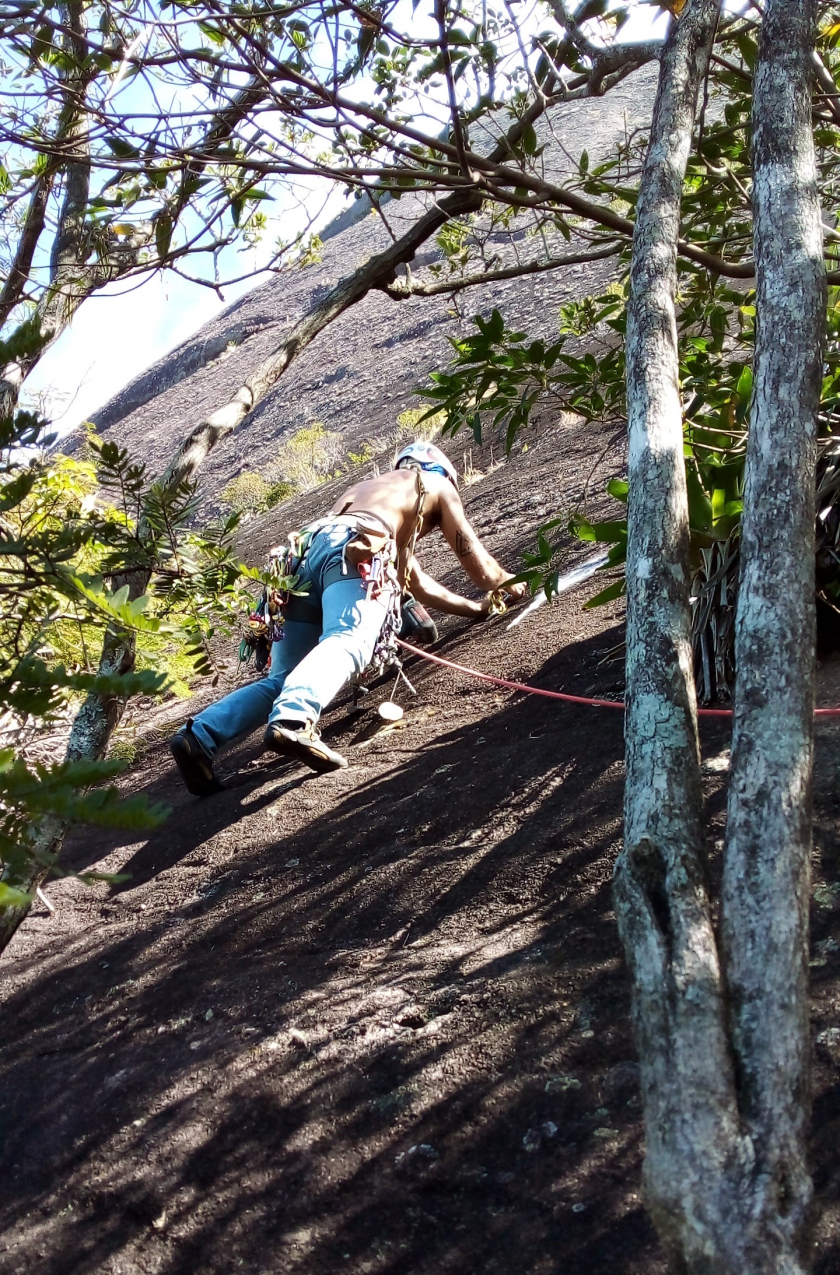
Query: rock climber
{"type": "Point", "coordinates": [353, 563]}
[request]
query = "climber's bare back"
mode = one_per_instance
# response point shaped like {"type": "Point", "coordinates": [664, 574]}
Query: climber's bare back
{"type": "Point", "coordinates": [395, 496]}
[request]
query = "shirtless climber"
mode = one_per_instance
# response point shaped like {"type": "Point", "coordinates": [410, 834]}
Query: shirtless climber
{"type": "Point", "coordinates": [330, 634]}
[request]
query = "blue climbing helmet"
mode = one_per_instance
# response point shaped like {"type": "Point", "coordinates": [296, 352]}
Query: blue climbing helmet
{"type": "Point", "coordinates": [428, 457]}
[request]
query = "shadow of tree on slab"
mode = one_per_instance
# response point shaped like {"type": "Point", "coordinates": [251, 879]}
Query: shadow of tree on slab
{"type": "Point", "coordinates": [389, 1033]}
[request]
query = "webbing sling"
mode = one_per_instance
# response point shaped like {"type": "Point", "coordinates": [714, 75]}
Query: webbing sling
{"type": "Point", "coordinates": [418, 523]}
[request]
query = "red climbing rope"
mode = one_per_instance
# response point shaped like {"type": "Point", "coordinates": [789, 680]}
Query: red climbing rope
{"type": "Point", "coordinates": [569, 699]}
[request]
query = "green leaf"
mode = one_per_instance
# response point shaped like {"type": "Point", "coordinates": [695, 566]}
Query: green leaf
{"type": "Point", "coordinates": [748, 49]}
{"type": "Point", "coordinates": [42, 41]}
{"type": "Point", "coordinates": [717, 322]}
{"type": "Point", "coordinates": [121, 148]}
{"type": "Point", "coordinates": [163, 234]}
{"type": "Point", "coordinates": [718, 503]}
{"type": "Point", "coordinates": [610, 532]}
{"type": "Point", "coordinates": [15, 491]}
{"type": "Point", "coordinates": [615, 590]}
{"type": "Point", "coordinates": [213, 34]}
{"type": "Point", "coordinates": [11, 898]}
{"type": "Point", "coordinates": [745, 383]}
{"type": "Point", "coordinates": [700, 514]}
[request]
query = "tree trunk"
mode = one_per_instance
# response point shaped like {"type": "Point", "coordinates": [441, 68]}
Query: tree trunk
{"type": "Point", "coordinates": [691, 1118]}
{"type": "Point", "coordinates": [766, 883]}
{"type": "Point", "coordinates": [723, 1050]}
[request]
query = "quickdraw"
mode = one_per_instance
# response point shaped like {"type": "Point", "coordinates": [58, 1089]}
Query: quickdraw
{"type": "Point", "coordinates": [497, 605]}
{"type": "Point", "coordinates": [386, 654]}
{"type": "Point", "coordinates": [265, 623]}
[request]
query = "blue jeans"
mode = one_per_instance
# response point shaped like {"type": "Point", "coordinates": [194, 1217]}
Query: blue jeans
{"type": "Point", "coordinates": [311, 664]}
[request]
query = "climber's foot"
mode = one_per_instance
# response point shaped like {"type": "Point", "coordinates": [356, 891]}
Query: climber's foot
{"type": "Point", "coordinates": [301, 740]}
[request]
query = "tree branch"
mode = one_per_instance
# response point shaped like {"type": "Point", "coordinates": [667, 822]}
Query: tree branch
{"type": "Point", "coordinates": [570, 25]}
{"type": "Point", "coordinates": [457, 130]}
{"type": "Point", "coordinates": [33, 226]}
{"type": "Point", "coordinates": [496, 177]}
{"type": "Point", "coordinates": [826, 82]}
{"type": "Point", "coordinates": [401, 289]}
{"type": "Point", "coordinates": [605, 59]}
{"type": "Point", "coordinates": [73, 277]}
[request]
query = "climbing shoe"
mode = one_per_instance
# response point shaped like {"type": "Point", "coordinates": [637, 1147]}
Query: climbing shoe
{"type": "Point", "coordinates": [301, 740]}
{"type": "Point", "coordinates": [194, 766]}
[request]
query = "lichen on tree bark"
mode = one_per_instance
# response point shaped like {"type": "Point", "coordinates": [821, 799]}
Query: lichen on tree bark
{"type": "Point", "coordinates": [722, 1032]}
{"type": "Point", "coordinates": [768, 835]}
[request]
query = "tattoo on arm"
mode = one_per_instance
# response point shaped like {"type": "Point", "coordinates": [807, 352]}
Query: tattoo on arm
{"type": "Point", "coordinates": [463, 545]}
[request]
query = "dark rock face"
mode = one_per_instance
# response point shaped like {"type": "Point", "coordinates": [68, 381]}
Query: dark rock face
{"type": "Point", "coordinates": [359, 375]}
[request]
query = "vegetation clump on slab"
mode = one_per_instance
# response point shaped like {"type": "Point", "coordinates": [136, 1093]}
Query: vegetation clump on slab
{"type": "Point", "coordinates": [89, 546]}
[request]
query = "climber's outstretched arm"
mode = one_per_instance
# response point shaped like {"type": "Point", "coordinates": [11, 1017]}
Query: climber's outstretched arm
{"type": "Point", "coordinates": [481, 567]}
{"type": "Point", "coordinates": [432, 593]}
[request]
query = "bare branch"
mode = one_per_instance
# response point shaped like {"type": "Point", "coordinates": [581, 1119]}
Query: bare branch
{"type": "Point", "coordinates": [455, 115]}
{"type": "Point", "coordinates": [419, 288]}
{"type": "Point", "coordinates": [19, 271]}
{"type": "Point", "coordinates": [826, 82]}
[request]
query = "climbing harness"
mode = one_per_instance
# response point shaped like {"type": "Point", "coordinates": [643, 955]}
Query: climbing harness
{"type": "Point", "coordinates": [372, 550]}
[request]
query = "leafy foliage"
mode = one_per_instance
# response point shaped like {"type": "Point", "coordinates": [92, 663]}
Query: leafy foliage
{"type": "Point", "coordinates": [250, 493]}
{"type": "Point", "coordinates": [503, 376]}
{"type": "Point", "coordinates": [89, 546]}
{"type": "Point", "coordinates": [498, 376]}
{"type": "Point", "coordinates": [310, 457]}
